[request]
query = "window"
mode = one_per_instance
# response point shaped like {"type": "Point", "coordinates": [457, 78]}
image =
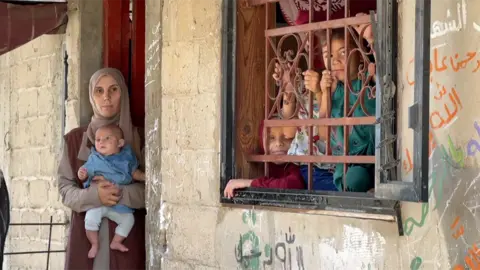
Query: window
{"type": "Point", "coordinates": [255, 38]}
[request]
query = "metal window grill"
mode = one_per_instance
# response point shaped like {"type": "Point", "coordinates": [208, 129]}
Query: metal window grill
{"type": "Point", "coordinates": [386, 183]}
{"type": "Point", "coordinates": [290, 62]}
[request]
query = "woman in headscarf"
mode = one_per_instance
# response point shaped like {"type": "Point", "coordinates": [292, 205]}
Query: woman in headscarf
{"type": "Point", "coordinates": [109, 99]}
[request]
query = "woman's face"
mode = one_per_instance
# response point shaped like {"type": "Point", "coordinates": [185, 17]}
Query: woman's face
{"type": "Point", "coordinates": [107, 96]}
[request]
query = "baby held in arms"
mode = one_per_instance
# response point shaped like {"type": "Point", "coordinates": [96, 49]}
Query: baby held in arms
{"type": "Point", "coordinates": [282, 175]}
{"type": "Point", "coordinates": [117, 163]}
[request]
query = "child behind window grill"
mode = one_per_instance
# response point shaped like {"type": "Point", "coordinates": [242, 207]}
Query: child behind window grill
{"type": "Point", "coordinates": [282, 175]}
{"type": "Point", "coordinates": [359, 177]}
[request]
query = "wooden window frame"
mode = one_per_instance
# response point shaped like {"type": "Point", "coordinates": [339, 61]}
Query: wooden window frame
{"type": "Point", "coordinates": [239, 122]}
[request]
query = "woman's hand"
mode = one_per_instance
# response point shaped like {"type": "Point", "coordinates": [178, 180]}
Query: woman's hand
{"type": "Point", "coordinates": [235, 184]}
{"type": "Point", "coordinates": [108, 193]}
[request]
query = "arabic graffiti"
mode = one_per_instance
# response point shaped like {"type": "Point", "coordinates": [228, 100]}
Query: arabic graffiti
{"type": "Point", "coordinates": [473, 145]}
{"type": "Point", "coordinates": [437, 179]}
{"type": "Point", "coordinates": [436, 119]}
{"type": "Point", "coordinates": [408, 164]}
{"type": "Point", "coordinates": [416, 263]}
{"type": "Point", "coordinates": [248, 254]}
{"type": "Point", "coordinates": [452, 63]}
{"type": "Point", "coordinates": [439, 120]}
{"type": "Point", "coordinates": [472, 253]}
{"type": "Point", "coordinates": [472, 258]}
{"type": "Point", "coordinates": [284, 255]}
{"type": "Point", "coordinates": [440, 28]}
{"type": "Point", "coordinates": [460, 231]}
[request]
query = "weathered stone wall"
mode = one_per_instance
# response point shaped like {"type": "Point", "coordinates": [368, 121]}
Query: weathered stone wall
{"type": "Point", "coordinates": [32, 88]}
{"type": "Point", "coordinates": [39, 103]}
{"type": "Point", "coordinates": [188, 229]}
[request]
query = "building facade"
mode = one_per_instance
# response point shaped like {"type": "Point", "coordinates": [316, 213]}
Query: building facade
{"type": "Point", "coordinates": [187, 226]}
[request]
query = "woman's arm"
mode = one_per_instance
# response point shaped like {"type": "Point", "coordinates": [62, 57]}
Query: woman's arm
{"type": "Point", "coordinates": [133, 195]}
{"type": "Point", "coordinates": [74, 197]}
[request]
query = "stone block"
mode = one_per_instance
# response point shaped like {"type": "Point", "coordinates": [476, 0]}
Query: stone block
{"type": "Point", "coordinates": [207, 19]}
{"type": "Point", "coordinates": [20, 137]}
{"type": "Point", "coordinates": [35, 72]}
{"type": "Point", "coordinates": [33, 261]}
{"type": "Point", "coordinates": [48, 162]}
{"type": "Point", "coordinates": [44, 45]}
{"type": "Point", "coordinates": [177, 20]}
{"type": "Point", "coordinates": [209, 75]}
{"type": "Point", "coordinates": [25, 102]}
{"type": "Point", "coordinates": [190, 122]}
{"type": "Point", "coordinates": [72, 111]}
{"type": "Point", "coordinates": [180, 67]}
{"type": "Point", "coordinates": [48, 102]}
{"type": "Point", "coordinates": [19, 191]}
{"type": "Point", "coordinates": [25, 163]}
{"type": "Point", "coordinates": [31, 216]}
{"type": "Point", "coordinates": [43, 130]}
{"type": "Point", "coordinates": [38, 193]}
{"type": "Point", "coordinates": [191, 234]}
{"type": "Point", "coordinates": [190, 177]}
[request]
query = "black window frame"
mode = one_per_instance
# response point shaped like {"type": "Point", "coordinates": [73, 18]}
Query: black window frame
{"type": "Point", "coordinates": [388, 192]}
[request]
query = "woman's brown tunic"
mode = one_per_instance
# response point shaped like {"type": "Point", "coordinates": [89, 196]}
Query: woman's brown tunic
{"type": "Point", "coordinates": [80, 200]}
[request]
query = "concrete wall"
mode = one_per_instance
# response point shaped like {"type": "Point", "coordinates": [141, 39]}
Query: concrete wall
{"type": "Point", "coordinates": [34, 116]}
{"type": "Point", "coordinates": [187, 227]}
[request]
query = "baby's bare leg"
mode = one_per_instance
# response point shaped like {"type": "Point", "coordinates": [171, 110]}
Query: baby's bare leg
{"type": "Point", "coordinates": [117, 243]}
{"type": "Point", "coordinates": [93, 218]}
{"type": "Point", "coordinates": [93, 238]}
{"type": "Point", "coordinates": [125, 223]}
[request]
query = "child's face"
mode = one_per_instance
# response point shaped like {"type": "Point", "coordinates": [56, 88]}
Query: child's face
{"type": "Point", "coordinates": [338, 60]}
{"type": "Point", "coordinates": [278, 144]}
{"type": "Point", "coordinates": [107, 142]}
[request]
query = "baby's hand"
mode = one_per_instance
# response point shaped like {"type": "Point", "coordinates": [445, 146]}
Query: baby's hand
{"type": "Point", "coordinates": [82, 174]}
{"type": "Point", "coordinates": [235, 184]}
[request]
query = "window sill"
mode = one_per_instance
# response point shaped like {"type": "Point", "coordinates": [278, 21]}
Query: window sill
{"type": "Point", "coordinates": [341, 204]}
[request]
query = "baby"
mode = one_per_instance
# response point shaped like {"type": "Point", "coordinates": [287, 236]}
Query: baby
{"type": "Point", "coordinates": [116, 162]}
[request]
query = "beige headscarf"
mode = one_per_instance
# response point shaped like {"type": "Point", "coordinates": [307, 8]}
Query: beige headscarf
{"type": "Point", "coordinates": [123, 119]}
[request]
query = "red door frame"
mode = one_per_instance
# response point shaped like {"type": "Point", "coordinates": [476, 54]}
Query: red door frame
{"type": "Point", "coordinates": [117, 34]}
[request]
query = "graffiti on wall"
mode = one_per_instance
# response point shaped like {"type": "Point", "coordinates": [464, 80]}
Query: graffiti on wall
{"type": "Point", "coordinates": [251, 255]}
{"type": "Point", "coordinates": [437, 179]}
{"type": "Point", "coordinates": [446, 102]}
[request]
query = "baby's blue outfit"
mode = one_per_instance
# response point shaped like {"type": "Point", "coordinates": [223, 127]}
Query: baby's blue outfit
{"type": "Point", "coordinates": [117, 168]}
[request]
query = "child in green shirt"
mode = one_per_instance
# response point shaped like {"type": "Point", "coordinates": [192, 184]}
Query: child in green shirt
{"type": "Point", "coordinates": [359, 177]}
